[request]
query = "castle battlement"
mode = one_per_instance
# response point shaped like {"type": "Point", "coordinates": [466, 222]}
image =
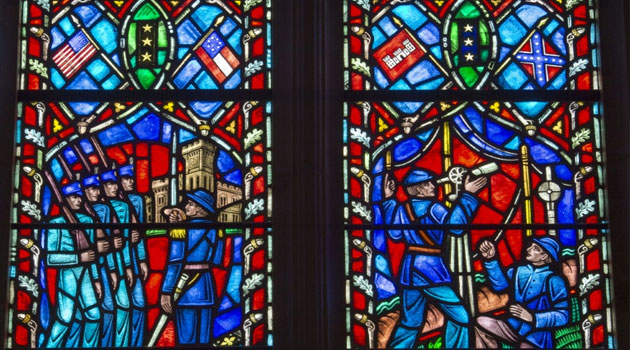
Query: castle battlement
{"type": "Point", "coordinates": [222, 186]}
{"type": "Point", "coordinates": [198, 144]}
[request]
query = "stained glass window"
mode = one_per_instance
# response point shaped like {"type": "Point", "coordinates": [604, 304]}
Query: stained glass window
{"type": "Point", "coordinates": [133, 44]}
{"type": "Point", "coordinates": [474, 223]}
{"type": "Point", "coordinates": [474, 44]}
{"type": "Point", "coordinates": [142, 222]}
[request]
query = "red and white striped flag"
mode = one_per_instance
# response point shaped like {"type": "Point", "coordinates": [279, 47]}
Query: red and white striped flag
{"type": "Point", "coordinates": [218, 57]}
{"type": "Point", "coordinates": [74, 54]}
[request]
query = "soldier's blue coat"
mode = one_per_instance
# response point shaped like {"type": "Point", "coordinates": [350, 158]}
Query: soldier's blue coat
{"type": "Point", "coordinates": [193, 313]}
{"type": "Point", "coordinates": [424, 276]}
{"type": "Point", "coordinates": [138, 204]}
{"type": "Point", "coordinates": [115, 301]}
{"type": "Point", "coordinates": [539, 290]}
{"type": "Point", "coordinates": [75, 288]}
{"type": "Point", "coordinates": [138, 254]}
{"type": "Point", "coordinates": [197, 248]}
{"type": "Point", "coordinates": [426, 269]}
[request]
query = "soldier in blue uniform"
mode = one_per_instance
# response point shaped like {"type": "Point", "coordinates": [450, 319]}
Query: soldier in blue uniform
{"type": "Point", "coordinates": [423, 275]}
{"type": "Point", "coordinates": [539, 296]}
{"type": "Point", "coordinates": [120, 213]}
{"type": "Point", "coordinates": [78, 283]}
{"type": "Point", "coordinates": [109, 259]}
{"type": "Point", "coordinates": [192, 253]}
{"type": "Point", "coordinates": [138, 256]}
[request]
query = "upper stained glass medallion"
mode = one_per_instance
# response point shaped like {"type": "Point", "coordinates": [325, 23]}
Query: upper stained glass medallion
{"type": "Point", "coordinates": [153, 44]}
{"type": "Point", "coordinates": [470, 44]}
{"type": "Point", "coordinates": [141, 224]}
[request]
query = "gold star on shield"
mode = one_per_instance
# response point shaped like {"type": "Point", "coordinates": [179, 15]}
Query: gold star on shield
{"type": "Point", "coordinates": [146, 57]}
{"type": "Point", "coordinates": [468, 28]}
{"type": "Point", "coordinates": [147, 27]}
{"type": "Point", "coordinates": [468, 42]}
{"type": "Point", "coordinates": [146, 42]}
{"type": "Point", "coordinates": [469, 56]}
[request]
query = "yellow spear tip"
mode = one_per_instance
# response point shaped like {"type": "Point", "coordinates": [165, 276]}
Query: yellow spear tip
{"type": "Point", "coordinates": [543, 22]}
{"type": "Point", "coordinates": [219, 20]}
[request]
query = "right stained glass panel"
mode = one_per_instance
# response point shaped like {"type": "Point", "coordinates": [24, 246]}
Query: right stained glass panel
{"type": "Point", "coordinates": [470, 44]}
{"type": "Point", "coordinates": [476, 225]}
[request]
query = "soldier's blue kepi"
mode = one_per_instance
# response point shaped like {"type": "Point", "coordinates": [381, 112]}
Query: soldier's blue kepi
{"type": "Point", "coordinates": [73, 189]}
{"type": "Point", "coordinates": [417, 176]}
{"type": "Point", "coordinates": [109, 176]}
{"type": "Point", "coordinates": [203, 199]}
{"type": "Point", "coordinates": [91, 181]}
{"type": "Point", "coordinates": [549, 245]}
{"type": "Point", "coordinates": [126, 171]}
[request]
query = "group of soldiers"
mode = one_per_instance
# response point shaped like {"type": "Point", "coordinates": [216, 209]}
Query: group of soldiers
{"type": "Point", "coordinates": [100, 294]}
{"type": "Point", "coordinates": [101, 271]}
{"type": "Point", "coordinates": [538, 294]}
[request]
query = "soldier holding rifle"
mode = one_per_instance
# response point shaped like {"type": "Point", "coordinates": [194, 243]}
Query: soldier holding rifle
{"type": "Point", "coordinates": [110, 243]}
{"type": "Point", "coordinates": [120, 213]}
{"type": "Point", "coordinates": [138, 255]}
{"type": "Point", "coordinates": [78, 285]}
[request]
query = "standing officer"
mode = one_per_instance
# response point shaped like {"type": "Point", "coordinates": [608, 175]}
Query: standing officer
{"type": "Point", "coordinates": [192, 253]}
{"type": "Point", "coordinates": [423, 274]}
{"type": "Point", "coordinates": [138, 256]}
{"type": "Point", "coordinates": [77, 281]}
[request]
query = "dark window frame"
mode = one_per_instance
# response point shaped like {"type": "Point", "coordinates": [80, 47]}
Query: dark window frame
{"type": "Point", "coordinates": [307, 217]}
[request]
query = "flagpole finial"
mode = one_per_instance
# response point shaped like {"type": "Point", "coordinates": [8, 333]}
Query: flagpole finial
{"type": "Point", "coordinates": [219, 20]}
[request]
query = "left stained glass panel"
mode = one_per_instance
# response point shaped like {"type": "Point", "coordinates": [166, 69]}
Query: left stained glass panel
{"type": "Point", "coordinates": [138, 171]}
{"type": "Point", "coordinates": [136, 44]}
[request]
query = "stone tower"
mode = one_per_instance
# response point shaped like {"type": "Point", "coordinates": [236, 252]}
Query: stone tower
{"type": "Point", "coordinates": [199, 173]}
{"type": "Point", "coordinates": [161, 194]}
{"type": "Point", "coordinates": [149, 208]}
{"type": "Point", "coordinates": [229, 203]}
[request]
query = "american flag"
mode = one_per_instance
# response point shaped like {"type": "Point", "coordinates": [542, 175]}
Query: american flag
{"type": "Point", "coordinates": [218, 57]}
{"type": "Point", "coordinates": [74, 54]}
